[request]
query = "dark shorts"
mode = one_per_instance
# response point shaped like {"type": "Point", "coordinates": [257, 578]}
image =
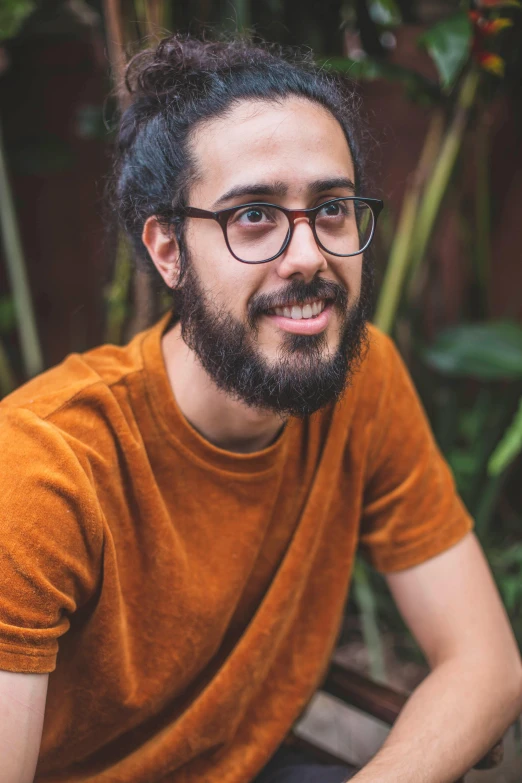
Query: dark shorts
{"type": "Point", "coordinates": [293, 766]}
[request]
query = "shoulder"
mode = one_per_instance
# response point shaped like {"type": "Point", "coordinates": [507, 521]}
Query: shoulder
{"type": "Point", "coordinates": [38, 460]}
{"type": "Point", "coordinates": [61, 429]}
{"type": "Point", "coordinates": [49, 508]}
{"type": "Point", "coordinates": [75, 377]}
{"type": "Point", "coordinates": [80, 395]}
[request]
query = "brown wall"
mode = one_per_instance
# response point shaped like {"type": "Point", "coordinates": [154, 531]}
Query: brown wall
{"type": "Point", "coordinates": [55, 82]}
{"type": "Point", "coordinates": [58, 170]}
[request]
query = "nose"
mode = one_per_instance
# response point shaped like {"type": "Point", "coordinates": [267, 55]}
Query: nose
{"type": "Point", "coordinates": [303, 256]}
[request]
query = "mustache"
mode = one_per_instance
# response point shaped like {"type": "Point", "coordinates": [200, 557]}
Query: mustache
{"type": "Point", "coordinates": [298, 290]}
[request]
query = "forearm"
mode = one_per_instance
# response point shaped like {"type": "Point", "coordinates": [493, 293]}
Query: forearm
{"type": "Point", "coordinates": [451, 720]}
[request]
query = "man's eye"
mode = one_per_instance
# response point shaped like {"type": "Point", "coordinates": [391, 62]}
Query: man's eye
{"type": "Point", "coordinates": [253, 216]}
{"type": "Point", "coordinates": [332, 210]}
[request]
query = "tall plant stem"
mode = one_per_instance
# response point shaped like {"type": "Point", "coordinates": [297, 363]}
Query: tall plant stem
{"type": "Point", "coordinates": [116, 47]}
{"type": "Point", "coordinates": [7, 379]}
{"type": "Point", "coordinates": [242, 13]}
{"type": "Point", "coordinates": [118, 293]}
{"type": "Point", "coordinates": [366, 602]}
{"type": "Point", "coordinates": [437, 184]}
{"type": "Point", "coordinates": [155, 13]}
{"type": "Point", "coordinates": [483, 206]}
{"type": "Point", "coordinates": [391, 290]}
{"type": "Point", "coordinates": [400, 254]}
{"type": "Point", "coordinates": [143, 294]}
{"type": "Point", "coordinates": [385, 316]}
{"type": "Point", "coordinates": [25, 318]}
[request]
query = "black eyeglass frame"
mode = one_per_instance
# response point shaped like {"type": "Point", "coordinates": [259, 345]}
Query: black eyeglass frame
{"type": "Point", "coordinates": [222, 215]}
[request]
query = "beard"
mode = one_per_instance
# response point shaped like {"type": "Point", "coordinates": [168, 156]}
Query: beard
{"type": "Point", "coordinates": [306, 375]}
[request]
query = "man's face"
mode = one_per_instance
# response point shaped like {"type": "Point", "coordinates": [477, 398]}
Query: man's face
{"type": "Point", "coordinates": [293, 154]}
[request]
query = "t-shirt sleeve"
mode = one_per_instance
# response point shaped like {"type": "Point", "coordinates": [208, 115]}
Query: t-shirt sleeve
{"type": "Point", "coordinates": [50, 540]}
{"type": "Point", "coordinates": [411, 510]}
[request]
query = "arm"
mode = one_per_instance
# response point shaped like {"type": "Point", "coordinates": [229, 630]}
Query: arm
{"type": "Point", "coordinates": [22, 705]}
{"type": "Point", "coordinates": [474, 691]}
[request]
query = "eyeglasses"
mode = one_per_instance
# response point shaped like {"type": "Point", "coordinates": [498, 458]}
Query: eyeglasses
{"type": "Point", "coordinates": [256, 233]}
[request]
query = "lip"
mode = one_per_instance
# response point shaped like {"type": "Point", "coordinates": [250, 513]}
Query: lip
{"type": "Point", "coordinates": [312, 325]}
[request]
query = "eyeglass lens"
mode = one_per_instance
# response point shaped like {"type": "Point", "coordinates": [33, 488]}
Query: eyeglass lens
{"type": "Point", "coordinates": [258, 232]}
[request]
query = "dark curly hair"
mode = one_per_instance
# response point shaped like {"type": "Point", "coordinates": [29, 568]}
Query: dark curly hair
{"type": "Point", "coordinates": [184, 82]}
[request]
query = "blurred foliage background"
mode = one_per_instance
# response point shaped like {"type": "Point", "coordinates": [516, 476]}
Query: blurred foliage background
{"type": "Point", "coordinates": [440, 82]}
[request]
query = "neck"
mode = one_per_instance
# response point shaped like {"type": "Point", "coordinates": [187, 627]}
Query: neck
{"type": "Point", "coordinates": [223, 421]}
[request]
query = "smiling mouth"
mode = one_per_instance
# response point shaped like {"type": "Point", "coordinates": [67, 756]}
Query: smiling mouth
{"type": "Point", "coordinates": [298, 312]}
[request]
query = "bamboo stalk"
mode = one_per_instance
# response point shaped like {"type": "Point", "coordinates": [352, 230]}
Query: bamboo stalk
{"type": "Point", "coordinates": [386, 313]}
{"type": "Point", "coordinates": [142, 284]}
{"type": "Point", "coordinates": [118, 294]}
{"type": "Point", "coordinates": [400, 255]}
{"type": "Point", "coordinates": [392, 287]}
{"type": "Point", "coordinates": [17, 273]}
{"type": "Point", "coordinates": [366, 602]}
{"type": "Point", "coordinates": [483, 206]}
{"type": "Point", "coordinates": [142, 287]}
{"type": "Point", "coordinates": [242, 14]}
{"type": "Point", "coordinates": [154, 16]}
{"type": "Point", "coordinates": [7, 378]}
{"type": "Point", "coordinates": [437, 184]}
{"type": "Point", "coordinates": [140, 17]}
{"type": "Point", "coordinates": [115, 43]}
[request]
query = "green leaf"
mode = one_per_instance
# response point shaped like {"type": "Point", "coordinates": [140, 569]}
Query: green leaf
{"type": "Point", "coordinates": [511, 591]}
{"type": "Point", "coordinates": [369, 69]}
{"type": "Point", "coordinates": [448, 43]}
{"type": "Point", "coordinates": [507, 558]}
{"type": "Point", "coordinates": [463, 463]}
{"type": "Point", "coordinates": [384, 12]}
{"type": "Point", "coordinates": [509, 447]}
{"type": "Point", "coordinates": [12, 15]}
{"type": "Point", "coordinates": [469, 424]}
{"type": "Point", "coordinates": [487, 352]}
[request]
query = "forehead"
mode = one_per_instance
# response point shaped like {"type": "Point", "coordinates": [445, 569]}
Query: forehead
{"type": "Point", "coordinates": [293, 141]}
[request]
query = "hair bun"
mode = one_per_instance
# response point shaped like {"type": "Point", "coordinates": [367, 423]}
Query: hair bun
{"type": "Point", "coordinates": [156, 72]}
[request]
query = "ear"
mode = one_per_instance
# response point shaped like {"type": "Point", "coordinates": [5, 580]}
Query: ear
{"type": "Point", "coordinates": [163, 248]}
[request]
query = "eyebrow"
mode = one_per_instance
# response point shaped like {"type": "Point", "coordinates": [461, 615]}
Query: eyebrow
{"type": "Point", "coordinates": [280, 189]}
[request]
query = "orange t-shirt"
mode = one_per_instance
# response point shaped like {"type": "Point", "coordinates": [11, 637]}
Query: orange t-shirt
{"type": "Point", "coordinates": [187, 599]}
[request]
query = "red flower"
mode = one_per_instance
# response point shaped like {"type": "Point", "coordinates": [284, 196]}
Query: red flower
{"type": "Point", "coordinates": [491, 62]}
{"type": "Point", "coordinates": [484, 28]}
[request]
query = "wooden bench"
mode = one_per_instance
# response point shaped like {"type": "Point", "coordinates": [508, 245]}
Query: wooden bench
{"type": "Point", "coordinates": [376, 700]}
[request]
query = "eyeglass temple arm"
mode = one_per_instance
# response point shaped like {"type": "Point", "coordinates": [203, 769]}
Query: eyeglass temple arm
{"type": "Point", "coordinates": [200, 213]}
{"type": "Point", "coordinates": [377, 204]}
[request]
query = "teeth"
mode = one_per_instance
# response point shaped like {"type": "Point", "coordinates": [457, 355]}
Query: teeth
{"type": "Point", "coordinates": [297, 313]}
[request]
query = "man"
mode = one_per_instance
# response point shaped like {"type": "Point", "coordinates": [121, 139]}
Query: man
{"type": "Point", "coordinates": [180, 516]}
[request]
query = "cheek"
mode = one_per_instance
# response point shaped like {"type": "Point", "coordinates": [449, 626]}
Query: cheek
{"type": "Point", "coordinates": [229, 282]}
{"type": "Point", "coordinates": [351, 275]}
{"type": "Point", "coordinates": [204, 240]}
